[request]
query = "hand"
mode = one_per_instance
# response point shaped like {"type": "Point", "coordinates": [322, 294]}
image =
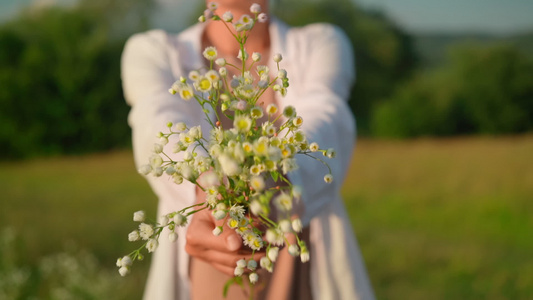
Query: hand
{"type": "Point", "coordinates": [222, 251]}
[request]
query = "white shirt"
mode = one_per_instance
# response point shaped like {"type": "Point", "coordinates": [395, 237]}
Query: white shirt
{"type": "Point", "coordinates": [318, 59]}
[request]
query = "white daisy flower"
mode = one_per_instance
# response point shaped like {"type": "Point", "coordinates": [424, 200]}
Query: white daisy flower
{"type": "Point", "coordinates": [186, 92]}
{"type": "Point", "coordinates": [314, 147]}
{"type": "Point", "coordinates": [203, 84]}
{"type": "Point", "coordinates": [242, 123]}
{"type": "Point", "coordinates": [257, 183]}
{"type": "Point", "coordinates": [256, 112]}
{"type": "Point", "coordinates": [272, 109]}
{"type": "Point", "coordinates": [283, 202]}
{"type": "Point", "coordinates": [194, 75]}
{"type": "Point", "coordinates": [212, 75]}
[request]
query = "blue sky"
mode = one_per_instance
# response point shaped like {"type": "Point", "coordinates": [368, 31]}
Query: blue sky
{"type": "Point", "coordinates": [490, 16]}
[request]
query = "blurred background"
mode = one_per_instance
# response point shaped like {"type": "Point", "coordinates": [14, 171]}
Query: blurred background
{"type": "Point", "coordinates": [441, 184]}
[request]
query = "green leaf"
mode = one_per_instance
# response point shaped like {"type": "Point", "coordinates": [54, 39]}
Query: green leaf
{"type": "Point", "coordinates": [275, 176]}
{"type": "Point", "coordinates": [233, 280]}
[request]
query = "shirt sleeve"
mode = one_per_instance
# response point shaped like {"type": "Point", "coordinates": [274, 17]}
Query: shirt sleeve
{"type": "Point", "coordinates": [147, 76]}
{"type": "Point", "coordinates": [321, 100]}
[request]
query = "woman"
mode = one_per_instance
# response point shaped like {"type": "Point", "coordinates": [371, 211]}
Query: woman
{"type": "Point", "coordinates": [318, 59]}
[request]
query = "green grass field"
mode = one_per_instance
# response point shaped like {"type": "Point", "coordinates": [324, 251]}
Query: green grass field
{"type": "Point", "coordinates": [436, 219]}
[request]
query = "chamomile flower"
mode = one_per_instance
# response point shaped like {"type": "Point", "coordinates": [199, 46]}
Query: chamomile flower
{"type": "Point", "coordinates": [212, 5]}
{"type": "Point", "coordinates": [212, 75]}
{"type": "Point", "coordinates": [298, 121]}
{"type": "Point", "coordinates": [262, 71]}
{"type": "Point", "coordinates": [256, 112]}
{"type": "Point", "coordinates": [242, 123]}
{"type": "Point", "coordinates": [314, 147]}
{"type": "Point", "coordinates": [256, 208]}
{"type": "Point", "coordinates": [283, 202]}
{"type": "Point", "coordinates": [257, 183]}
{"type": "Point", "coordinates": [237, 211]}
{"type": "Point", "coordinates": [203, 84]}
{"type": "Point", "coordinates": [271, 109]}
{"type": "Point", "coordinates": [194, 75]}
{"type": "Point", "coordinates": [247, 21]}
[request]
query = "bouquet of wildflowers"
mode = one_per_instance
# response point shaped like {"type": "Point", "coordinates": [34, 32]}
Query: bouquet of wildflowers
{"type": "Point", "coordinates": [234, 166]}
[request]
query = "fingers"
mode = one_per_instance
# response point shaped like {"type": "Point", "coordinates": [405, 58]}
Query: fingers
{"type": "Point", "coordinates": [200, 235]}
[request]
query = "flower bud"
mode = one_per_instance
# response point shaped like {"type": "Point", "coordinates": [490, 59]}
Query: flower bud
{"type": "Point", "coordinates": [124, 271]}
{"type": "Point", "coordinates": [253, 278]}
{"type": "Point", "coordinates": [133, 236]}
{"type": "Point", "coordinates": [172, 237]}
{"type": "Point", "coordinates": [139, 216]}
{"type": "Point", "coordinates": [273, 253]}
{"type": "Point", "coordinates": [294, 250]}
{"type": "Point", "coordinates": [256, 56]}
{"type": "Point", "coordinates": [252, 264]}
{"type": "Point", "coordinates": [217, 231]}
{"type": "Point", "coordinates": [278, 58]}
{"type": "Point", "coordinates": [255, 8]}
{"type": "Point", "coordinates": [297, 225]}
